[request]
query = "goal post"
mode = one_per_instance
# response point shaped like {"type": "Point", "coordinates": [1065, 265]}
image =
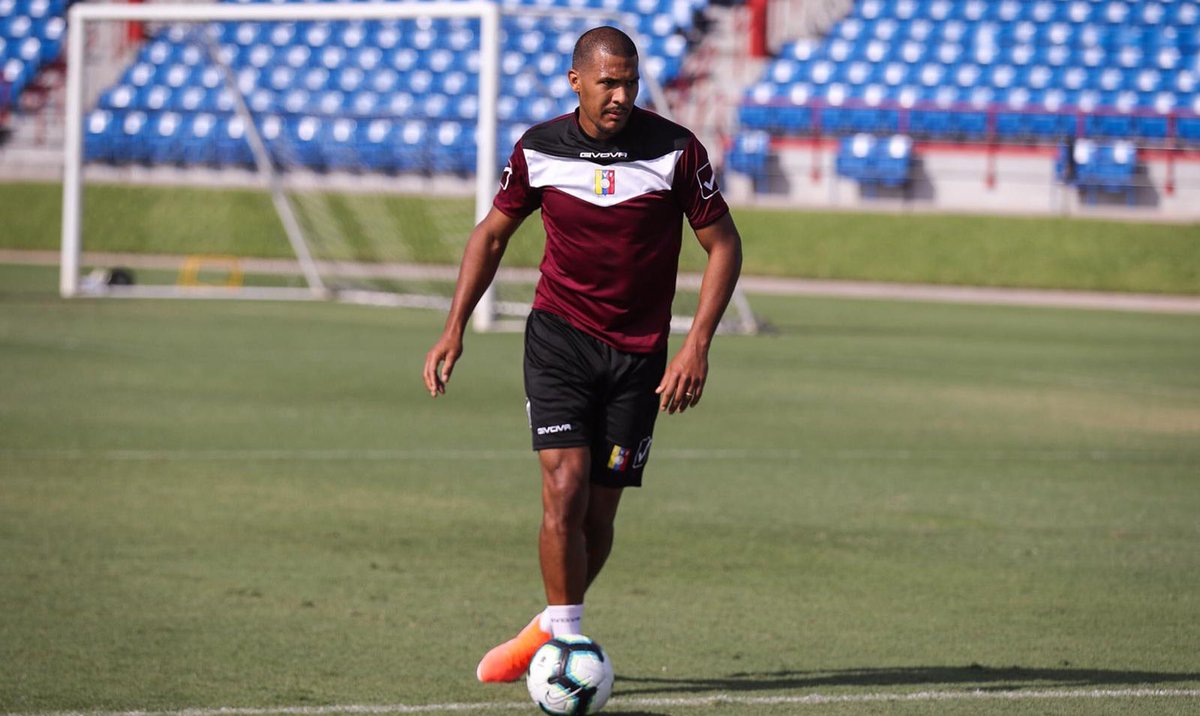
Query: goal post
{"type": "Point", "coordinates": [330, 220]}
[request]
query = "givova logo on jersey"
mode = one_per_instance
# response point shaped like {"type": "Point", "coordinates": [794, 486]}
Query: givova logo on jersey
{"type": "Point", "coordinates": [606, 182]}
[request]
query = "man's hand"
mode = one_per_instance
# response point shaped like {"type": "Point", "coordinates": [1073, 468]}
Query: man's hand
{"type": "Point", "coordinates": [439, 363]}
{"type": "Point", "coordinates": [683, 382]}
{"type": "Point", "coordinates": [481, 257]}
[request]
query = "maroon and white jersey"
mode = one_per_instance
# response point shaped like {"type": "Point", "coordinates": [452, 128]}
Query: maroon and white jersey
{"type": "Point", "coordinates": [613, 215]}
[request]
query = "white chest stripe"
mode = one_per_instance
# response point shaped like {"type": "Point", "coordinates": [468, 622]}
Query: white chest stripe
{"type": "Point", "coordinates": [578, 177]}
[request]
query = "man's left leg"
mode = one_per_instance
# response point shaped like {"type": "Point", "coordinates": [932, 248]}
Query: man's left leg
{"type": "Point", "coordinates": [598, 527]}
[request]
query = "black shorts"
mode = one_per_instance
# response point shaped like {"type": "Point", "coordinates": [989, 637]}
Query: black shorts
{"type": "Point", "coordinates": [582, 392]}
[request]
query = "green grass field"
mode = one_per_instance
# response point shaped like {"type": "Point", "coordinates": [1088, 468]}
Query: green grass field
{"type": "Point", "coordinates": [961, 250]}
{"type": "Point", "coordinates": [226, 504]}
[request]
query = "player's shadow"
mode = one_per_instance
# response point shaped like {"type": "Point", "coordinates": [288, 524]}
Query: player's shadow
{"type": "Point", "coordinates": [975, 675]}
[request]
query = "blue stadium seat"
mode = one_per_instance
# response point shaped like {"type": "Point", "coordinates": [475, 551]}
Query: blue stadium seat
{"type": "Point", "coordinates": [375, 143]}
{"type": "Point", "coordinates": [1100, 168]}
{"type": "Point", "coordinates": [411, 154]}
{"type": "Point", "coordinates": [455, 145]}
{"type": "Point", "coordinates": [232, 148]}
{"type": "Point", "coordinates": [97, 140]}
{"type": "Point", "coordinates": [1188, 128]}
{"type": "Point", "coordinates": [129, 140]}
{"type": "Point", "coordinates": [875, 162]}
{"type": "Point", "coordinates": [749, 153]}
{"type": "Point", "coordinates": [165, 138]}
{"type": "Point", "coordinates": [198, 138]}
{"type": "Point", "coordinates": [340, 145]}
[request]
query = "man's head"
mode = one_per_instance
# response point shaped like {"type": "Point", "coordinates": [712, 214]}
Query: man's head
{"type": "Point", "coordinates": [604, 73]}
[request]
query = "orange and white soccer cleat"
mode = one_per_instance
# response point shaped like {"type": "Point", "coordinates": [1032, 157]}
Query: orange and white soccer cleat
{"type": "Point", "coordinates": [510, 660]}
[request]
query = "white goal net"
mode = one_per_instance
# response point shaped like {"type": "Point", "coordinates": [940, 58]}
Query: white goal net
{"type": "Point", "coordinates": [314, 150]}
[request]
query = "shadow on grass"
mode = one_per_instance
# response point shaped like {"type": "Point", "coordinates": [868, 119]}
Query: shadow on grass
{"type": "Point", "coordinates": [974, 675]}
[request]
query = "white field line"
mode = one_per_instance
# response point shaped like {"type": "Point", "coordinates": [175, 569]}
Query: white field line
{"type": "Point", "coordinates": [680, 454]}
{"type": "Point", "coordinates": [682, 702]}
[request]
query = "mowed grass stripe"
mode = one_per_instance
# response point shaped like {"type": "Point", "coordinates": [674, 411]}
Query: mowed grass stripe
{"type": "Point", "coordinates": [1051, 252]}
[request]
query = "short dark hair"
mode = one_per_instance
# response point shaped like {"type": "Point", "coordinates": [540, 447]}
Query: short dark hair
{"type": "Point", "coordinates": [602, 39]}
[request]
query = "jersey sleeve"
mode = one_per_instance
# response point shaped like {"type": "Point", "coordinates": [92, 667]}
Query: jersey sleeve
{"type": "Point", "coordinates": [696, 186]}
{"type": "Point", "coordinates": [516, 197]}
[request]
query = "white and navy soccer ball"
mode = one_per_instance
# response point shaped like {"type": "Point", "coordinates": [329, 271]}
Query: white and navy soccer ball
{"type": "Point", "coordinates": [570, 675]}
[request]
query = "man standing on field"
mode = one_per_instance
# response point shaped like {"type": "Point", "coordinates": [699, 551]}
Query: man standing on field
{"type": "Point", "coordinates": [613, 182]}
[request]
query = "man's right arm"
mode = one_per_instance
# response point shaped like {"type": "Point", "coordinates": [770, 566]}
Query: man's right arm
{"type": "Point", "coordinates": [481, 258]}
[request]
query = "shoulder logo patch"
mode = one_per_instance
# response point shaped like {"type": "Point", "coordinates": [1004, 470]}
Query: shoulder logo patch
{"type": "Point", "coordinates": [707, 179]}
{"type": "Point", "coordinates": [505, 177]}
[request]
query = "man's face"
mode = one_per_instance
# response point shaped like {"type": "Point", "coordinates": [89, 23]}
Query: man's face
{"type": "Point", "coordinates": [607, 87]}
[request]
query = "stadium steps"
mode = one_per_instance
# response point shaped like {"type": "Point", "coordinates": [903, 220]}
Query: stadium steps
{"type": "Point", "coordinates": [715, 75]}
{"type": "Point", "coordinates": [31, 147]}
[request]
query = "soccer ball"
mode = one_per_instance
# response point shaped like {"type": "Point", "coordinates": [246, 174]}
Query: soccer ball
{"type": "Point", "coordinates": [569, 675]}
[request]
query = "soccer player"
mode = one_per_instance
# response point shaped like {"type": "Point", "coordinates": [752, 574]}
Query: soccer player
{"type": "Point", "coordinates": [613, 182]}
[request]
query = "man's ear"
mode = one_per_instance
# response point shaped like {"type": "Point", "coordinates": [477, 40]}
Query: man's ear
{"type": "Point", "coordinates": [573, 78]}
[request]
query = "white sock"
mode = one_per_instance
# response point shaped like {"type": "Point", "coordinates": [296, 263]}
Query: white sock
{"type": "Point", "coordinates": [560, 619]}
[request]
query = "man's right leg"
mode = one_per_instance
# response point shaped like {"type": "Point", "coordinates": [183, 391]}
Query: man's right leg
{"type": "Point", "coordinates": [562, 545]}
{"type": "Point", "coordinates": [563, 550]}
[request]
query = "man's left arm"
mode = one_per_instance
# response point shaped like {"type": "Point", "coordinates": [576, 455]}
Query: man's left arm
{"type": "Point", "coordinates": [683, 383]}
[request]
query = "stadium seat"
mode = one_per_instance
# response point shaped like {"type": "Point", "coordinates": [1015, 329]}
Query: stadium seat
{"type": "Point", "coordinates": [302, 143]}
{"type": "Point", "coordinates": [875, 162]}
{"type": "Point", "coordinates": [1097, 168]}
{"type": "Point", "coordinates": [411, 152]}
{"type": "Point", "coordinates": [97, 141]}
{"type": "Point", "coordinates": [339, 143]}
{"type": "Point", "coordinates": [748, 155]}
{"type": "Point", "coordinates": [197, 138]}
{"type": "Point", "coordinates": [232, 148]}
{"type": "Point", "coordinates": [164, 138]}
{"type": "Point", "coordinates": [375, 146]}
{"type": "Point", "coordinates": [129, 140]}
